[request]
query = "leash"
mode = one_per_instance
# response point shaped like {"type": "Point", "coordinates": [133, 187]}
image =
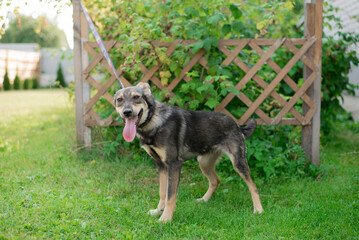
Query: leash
{"type": "Point", "coordinates": [99, 42]}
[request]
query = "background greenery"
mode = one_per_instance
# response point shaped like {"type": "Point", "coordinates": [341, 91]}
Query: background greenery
{"type": "Point", "coordinates": [25, 29]}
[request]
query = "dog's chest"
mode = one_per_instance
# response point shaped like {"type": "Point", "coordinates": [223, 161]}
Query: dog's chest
{"type": "Point", "coordinates": [149, 144]}
{"type": "Point", "coordinates": [157, 153]}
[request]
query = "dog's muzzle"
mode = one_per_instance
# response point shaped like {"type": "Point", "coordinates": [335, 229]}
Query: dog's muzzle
{"type": "Point", "coordinates": [131, 123]}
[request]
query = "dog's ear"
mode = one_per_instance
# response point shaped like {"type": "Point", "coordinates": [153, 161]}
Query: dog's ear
{"type": "Point", "coordinates": [146, 88]}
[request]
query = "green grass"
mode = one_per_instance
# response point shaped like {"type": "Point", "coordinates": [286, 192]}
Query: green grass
{"type": "Point", "coordinates": [49, 189]}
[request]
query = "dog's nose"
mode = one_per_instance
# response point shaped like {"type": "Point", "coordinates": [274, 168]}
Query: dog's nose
{"type": "Point", "coordinates": [127, 112]}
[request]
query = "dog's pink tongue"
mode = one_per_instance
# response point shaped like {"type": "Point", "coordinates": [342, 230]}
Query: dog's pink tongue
{"type": "Point", "coordinates": [129, 132]}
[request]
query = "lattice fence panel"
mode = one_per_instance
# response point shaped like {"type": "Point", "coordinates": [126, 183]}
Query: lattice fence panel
{"type": "Point", "coordinates": [232, 50]}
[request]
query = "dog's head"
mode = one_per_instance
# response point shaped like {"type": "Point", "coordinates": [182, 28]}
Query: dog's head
{"type": "Point", "coordinates": [132, 104]}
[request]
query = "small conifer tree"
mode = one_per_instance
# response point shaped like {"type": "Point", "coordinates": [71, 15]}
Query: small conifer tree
{"type": "Point", "coordinates": [17, 83]}
{"type": "Point", "coordinates": [35, 83]}
{"type": "Point", "coordinates": [27, 84]}
{"type": "Point", "coordinates": [60, 77]}
{"type": "Point", "coordinates": [6, 83]}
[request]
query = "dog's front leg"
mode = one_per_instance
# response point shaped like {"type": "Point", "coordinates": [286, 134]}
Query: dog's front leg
{"type": "Point", "coordinates": [163, 175]}
{"type": "Point", "coordinates": [174, 172]}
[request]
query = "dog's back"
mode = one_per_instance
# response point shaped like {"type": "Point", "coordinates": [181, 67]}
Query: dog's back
{"type": "Point", "coordinates": [201, 132]}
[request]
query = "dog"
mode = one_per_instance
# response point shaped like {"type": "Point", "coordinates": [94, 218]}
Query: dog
{"type": "Point", "coordinates": [172, 135]}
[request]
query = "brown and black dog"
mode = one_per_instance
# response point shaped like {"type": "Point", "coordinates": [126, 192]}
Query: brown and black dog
{"type": "Point", "coordinates": [171, 135]}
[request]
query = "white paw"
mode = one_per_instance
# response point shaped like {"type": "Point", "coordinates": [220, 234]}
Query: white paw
{"type": "Point", "coordinates": [258, 211]}
{"type": "Point", "coordinates": [202, 199]}
{"type": "Point", "coordinates": [154, 212]}
{"type": "Point", "coordinates": [165, 219]}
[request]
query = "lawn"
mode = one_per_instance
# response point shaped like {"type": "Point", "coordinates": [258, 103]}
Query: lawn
{"type": "Point", "coordinates": [51, 189]}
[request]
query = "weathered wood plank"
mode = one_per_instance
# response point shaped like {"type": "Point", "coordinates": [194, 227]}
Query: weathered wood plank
{"type": "Point", "coordinates": [82, 87]}
{"type": "Point", "coordinates": [313, 27]}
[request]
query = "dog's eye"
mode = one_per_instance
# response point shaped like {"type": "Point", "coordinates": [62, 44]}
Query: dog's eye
{"type": "Point", "coordinates": [119, 99]}
{"type": "Point", "coordinates": [136, 97]}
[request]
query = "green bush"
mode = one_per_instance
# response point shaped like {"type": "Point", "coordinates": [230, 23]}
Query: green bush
{"type": "Point", "coordinates": [35, 83]}
{"type": "Point", "coordinates": [6, 83]}
{"type": "Point", "coordinates": [27, 84]}
{"type": "Point", "coordinates": [17, 83]}
{"type": "Point", "coordinates": [60, 80]}
{"type": "Point", "coordinates": [276, 151]}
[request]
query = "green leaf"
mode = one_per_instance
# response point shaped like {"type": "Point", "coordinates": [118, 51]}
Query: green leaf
{"type": "Point", "coordinates": [178, 72]}
{"type": "Point", "coordinates": [288, 5]}
{"type": "Point", "coordinates": [209, 42]}
{"type": "Point", "coordinates": [214, 61]}
{"type": "Point", "coordinates": [237, 26]}
{"type": "Point", "coordinates": [212, 70]}
{"type": "Point", "coordinates": [211, 103]}
{"type": "Point", "coordinates": [236, 13]}
{"type": "Point", "coordinates": [233, 90]}
{"type": "Point", "coordinates": [192, 12]}
{"type": "Point", "coordinates": [184, 88]}
{"type": "Point", "coordinates": [214, 19]}
{"type": "Point", "coordinates": [224, 92]}
{"type": "Point", "coordinates": [202, 88]}
{"type": "Point", "coordinates": [260, 25]}
{"type": "Point", "coordinates": [225, 72]}
{"type": "Point", "coordinates": [208, 78]}
{"type": "Point", "coordinates": [226, 29]}
{"type": "Point", "coordinates": [194, 104]}
{"type": "Point", "coordinates": [173, 66]}
{"type": "Point", "coordinates": [196, 46]}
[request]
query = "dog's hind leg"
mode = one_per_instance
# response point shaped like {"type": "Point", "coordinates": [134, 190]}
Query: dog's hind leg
{"type": "Point", "coordinates": [207, 163]}
{"type": "Point", "coordinates": [239, 161]}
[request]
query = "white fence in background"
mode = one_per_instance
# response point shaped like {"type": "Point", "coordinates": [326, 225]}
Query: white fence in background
{"type": "Point", "coordinates": [24, 64]}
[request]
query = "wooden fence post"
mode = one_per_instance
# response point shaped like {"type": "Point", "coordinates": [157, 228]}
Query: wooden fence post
{"type": "Point", "coordinates": [313, 10]}
{"type": "Point", "coordinates": [82, 87]}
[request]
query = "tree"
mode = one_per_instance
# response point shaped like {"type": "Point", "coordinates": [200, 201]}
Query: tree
{"type": "Point", "coordinates": [6, 83]}
{"type": "Point", "coordinates": [60, 77]}
{"type": "Point", "coordinates": [17, 83]}
{"type": "Point", "coordinates": [25, 29]}
{"type": "Point", "coordinates": [35, 83]}
{"type": "Point", "coordinates": [27, 84]}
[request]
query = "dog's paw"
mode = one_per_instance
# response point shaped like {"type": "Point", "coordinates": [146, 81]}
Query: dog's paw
{"type": "Point", "coordinates": [165, 219]}
{"type": "Point", "coordinates": [202, 199]}
{"type": "Point", "coordinates": [154, 212]}
{"type": "Point", "coordinates": [258, 211]}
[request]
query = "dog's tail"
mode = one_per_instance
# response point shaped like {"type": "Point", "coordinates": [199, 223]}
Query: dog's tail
{"type": "Point", "coordinates": [249, 129]}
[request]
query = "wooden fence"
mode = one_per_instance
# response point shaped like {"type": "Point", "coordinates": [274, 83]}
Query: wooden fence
{"type": "Point", "coordinates": [307, 50]}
